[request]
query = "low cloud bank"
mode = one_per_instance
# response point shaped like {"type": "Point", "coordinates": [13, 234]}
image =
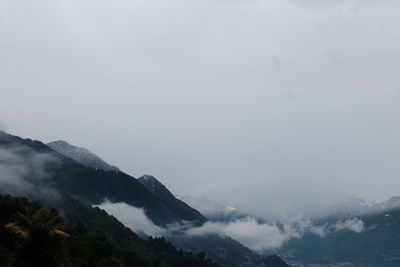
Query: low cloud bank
{"type": "Point", "coordinates": [264, 236]}
{"type": "Point", "coordinates": [132, 217]}
{"type": "Point", "coordinates": [249, 231]}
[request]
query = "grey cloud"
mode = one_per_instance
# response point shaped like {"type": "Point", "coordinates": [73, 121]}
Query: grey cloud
{"type": "Point", "coordinates": [197, 92]}
{"type": "Point", "coordinates": [3, 126]}
{"type": "Point", "coordinates": [23, 174]}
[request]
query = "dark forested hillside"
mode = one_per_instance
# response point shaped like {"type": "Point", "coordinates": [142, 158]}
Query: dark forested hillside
{"type": "Point", "coordinates": [31, 235]}
{"type": "Point", "coordinates": [225, 250]}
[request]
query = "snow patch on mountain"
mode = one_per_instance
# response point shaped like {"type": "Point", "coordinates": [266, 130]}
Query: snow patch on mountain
{"type": "Point", "coordinates": [358, 207]}
{"type": "Point", "coordinates": [81, 155]}
{"type": "Point", "coordinates": [213, 210]}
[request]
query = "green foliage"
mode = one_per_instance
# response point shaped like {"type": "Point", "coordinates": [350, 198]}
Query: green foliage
{"type": "Point", "coordinates": [224, 250]}
{"type": "Point", "coordinates": [35, 236]}
{"type": "Point", "coordinates": [94, 249]}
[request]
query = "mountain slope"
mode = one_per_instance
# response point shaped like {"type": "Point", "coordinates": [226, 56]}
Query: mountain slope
{"type": "Point", "coordinates": [158, 189]}
{"type": "Point", "coordinates": [90, 185]}
{"type": "Point", "coordinates": [81, 155]}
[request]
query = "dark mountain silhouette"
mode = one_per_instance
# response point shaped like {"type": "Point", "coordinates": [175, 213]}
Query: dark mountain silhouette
{"type": "Point", "coordinates": [93, 186]}
{"type": "Point", "coordinates": [158, 189]}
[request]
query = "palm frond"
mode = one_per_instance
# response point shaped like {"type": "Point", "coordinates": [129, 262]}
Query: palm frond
{"type": "Point", "coordinates": [61, 233]}
{"type": "Point", "coordinates": [16, 229]}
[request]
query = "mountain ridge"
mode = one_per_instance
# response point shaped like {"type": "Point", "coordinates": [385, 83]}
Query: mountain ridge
{"type": "Point", "coordinates": [81, 155]}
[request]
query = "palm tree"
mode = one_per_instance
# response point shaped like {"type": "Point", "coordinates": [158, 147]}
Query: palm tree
{"type": "Point", "coordinates": [39, 239]}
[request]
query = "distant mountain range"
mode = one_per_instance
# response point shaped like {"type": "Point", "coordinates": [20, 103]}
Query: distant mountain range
{"type": "Point", "coordinates": [358, 207]}
{"type": "Point", "coordinates": [376, 243]}
{"type": "Point", "coordinates": [352, 233]}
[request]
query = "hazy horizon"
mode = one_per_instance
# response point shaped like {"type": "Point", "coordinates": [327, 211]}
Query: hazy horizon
{"type": "Point", "coordinates": [275, 107]}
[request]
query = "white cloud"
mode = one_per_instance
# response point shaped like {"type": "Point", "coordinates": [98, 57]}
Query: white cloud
{"type": "Point", "coordinates": [245, 102]}
{"type": "Point", "coordinates": [263, 236]}
{"type": "Point", "coordinates": [132, 217]}
{"type": "Point", "coordinates": [355, 225]}
{"type": "Point", "coordinates": [257, 236]}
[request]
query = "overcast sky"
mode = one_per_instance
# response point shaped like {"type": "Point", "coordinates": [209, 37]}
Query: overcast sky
{"type": "Point", "coordinates": [268, 105]}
